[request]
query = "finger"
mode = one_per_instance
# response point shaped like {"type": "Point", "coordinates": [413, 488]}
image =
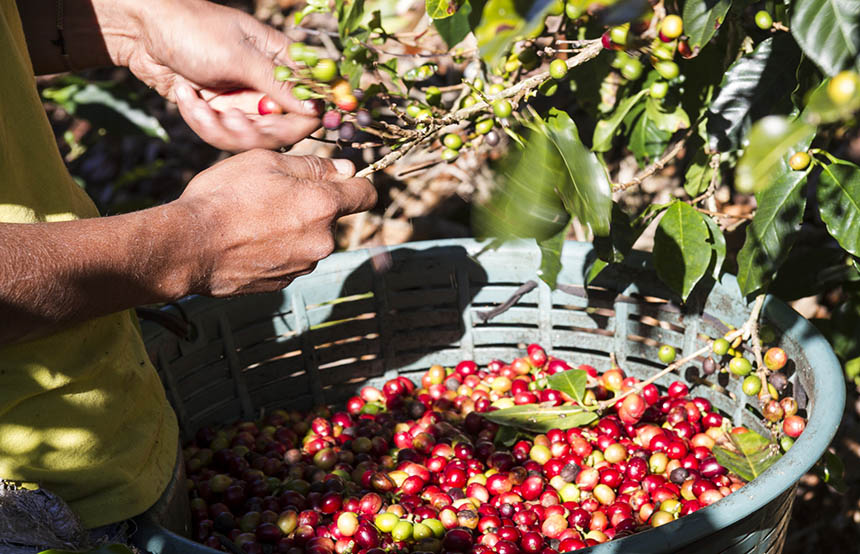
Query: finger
{"type": "Point", "coordinates": [286, 129]}
{"type": "Point", "coordinates": [202, 119]}
{"type": "Point", "coordinates": [355, 195]}
{"type": "Point", "coordinates": [314, 168]}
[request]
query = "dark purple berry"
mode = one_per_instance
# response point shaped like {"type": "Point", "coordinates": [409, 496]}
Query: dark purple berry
{"type": "Point", "coordinates": [363, 118]}
{"type": "Point", "coordinates": [347, 131]}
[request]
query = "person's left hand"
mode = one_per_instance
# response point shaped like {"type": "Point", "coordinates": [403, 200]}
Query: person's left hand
{"type": "Point", "coordinates": [216, 63]}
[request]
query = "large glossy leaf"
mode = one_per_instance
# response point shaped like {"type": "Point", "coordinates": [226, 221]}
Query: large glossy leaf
{"type": "Point", "coordinates": [457, 27]}
{"type": "Point", "coordinates": [587, 194]}
{"type": "Point", "coordinates": [540, 419]}
{"type": "Point", "coordinates": [505, 21]}
{"type": "Point", "coordinates": [748, 455]}
{"type": "Point", "coordinates": [751, 88]}
{"type": "Point", "coordinates": [524, 203]}
{"type": "Point", "coordinates": [699, 174]}
{"type": "Point", "coordinates": [550, 257]}
{"type": "Point", "coordinates": [441, 9]}
{"type": "Point", "coordinates": [773, 140]}
{"type": "Point", "coordinates": [681, 250]}
{"type": "Point", "coordinates": [828, 31]}
{"type": "Point", "coordinates": [702, 19]}
{"type": "Point", "coordinates": [606, 128]}
{"type": "Point", "coordinates": [668, 121]}
{"type": "Point", "coordinates": [647, 142]}
{"type": "Point", "coordinates": [839, 204]}
{"type": "Point", "coordinates": [349, 17]}
{"type": "Point", "coordinates": [571, 382]}
{"type": "Point", "coordinates": [773, 230]}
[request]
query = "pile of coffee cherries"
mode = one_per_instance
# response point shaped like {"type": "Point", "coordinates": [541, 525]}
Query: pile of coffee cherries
{"type": "Point", "coordinates": [412, 468]}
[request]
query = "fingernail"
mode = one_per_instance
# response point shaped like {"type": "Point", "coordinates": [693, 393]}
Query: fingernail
{"type": "Point", "coordinates": [344, 167]}
{"type": "Point", "coordinates": [314, 106]}
{"type": "Point", "coordinates": [183, 92]}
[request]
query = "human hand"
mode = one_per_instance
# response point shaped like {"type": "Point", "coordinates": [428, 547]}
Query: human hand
{"type": "Point", "coordinates": [259, 219]}
{"type": "Point", "coordinates": [216, 63]}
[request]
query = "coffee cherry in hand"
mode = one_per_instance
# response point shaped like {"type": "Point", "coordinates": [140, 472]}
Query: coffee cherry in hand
{"type": "Point", "coordinates": [267, 106]}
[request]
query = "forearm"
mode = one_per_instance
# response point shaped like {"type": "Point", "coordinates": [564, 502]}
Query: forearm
{"type": "Point", "coordinates": [56, 274]}
{"type": "Point", "coordinates": [96, 33]}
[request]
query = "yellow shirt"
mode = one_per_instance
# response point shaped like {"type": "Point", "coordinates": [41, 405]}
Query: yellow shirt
{"type": "Point", "coordinates": [82, 412]}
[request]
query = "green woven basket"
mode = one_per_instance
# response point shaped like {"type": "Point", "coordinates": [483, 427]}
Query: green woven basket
{"type": "Point", "coordinates": [347, 325]}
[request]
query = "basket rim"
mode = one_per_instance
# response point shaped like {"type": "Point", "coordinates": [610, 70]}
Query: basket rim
{"type": "Point", "coordinates": [823, 418]}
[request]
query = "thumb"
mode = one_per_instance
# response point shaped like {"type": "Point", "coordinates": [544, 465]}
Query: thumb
{"type": "Point", "coordinates": [314, 168]}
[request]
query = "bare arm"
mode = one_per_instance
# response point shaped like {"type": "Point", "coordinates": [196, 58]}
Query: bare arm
{"type": "Point", "coordinates": [251, 223]}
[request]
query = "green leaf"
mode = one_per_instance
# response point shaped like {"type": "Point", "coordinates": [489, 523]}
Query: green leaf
{"type": "Point", "coordinates": [773, 230]}
{"type": "Point", "coordinates": [718, 246]}
{"type": "Point", "coordinates": [504, 21]}
{"type": "Point", "coordinates": [349, 17]}
{"type": "Point", "coordinates": [606, 128]}
{"type": "Point", "coordinates": [828, 31]}
{"type": "Point", "coordinates": [772, 141]}
{"type": "Point", "coordinates": [839, 204]}
{"type": "Point", "coordinates": [550, 257]}
{"type": "Point", "coordinates": [619, 243]}
{"type": "Point", "coordinates": [540, 419]}
{"type": "Point", "coordinates": [441, 9]}
{"type": "Point", "coordinates": [524, 203]}
{"type": "Point", "coordinates": [752, 87]}
{"type": "Point", "coordinates": [748, 455]}
{"type": "Point", "coordinates": [571, 382]}
{"type": "Point", "coordinates": [457, 27]}
{"type": "Point", "coordinates": [702, 18]}
{"type": "Point", "coordinates": [699, 174]}
{"type": "Point", "coordinates": [647, 142]}
{"type": "Point", "coordinates": [506, 436]}
{"type": "Point", "coordinates": [681, 252]}
{"type": "Point", "coordinates": [587, 194]}
{"type": "Point", "coordinates": [852, 368]}
{"type": "Point", "coordinates": [669, 122]}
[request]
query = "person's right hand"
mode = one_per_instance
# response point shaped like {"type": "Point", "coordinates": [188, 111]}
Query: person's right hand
{"type": "Point", "coordinates": [259, 219]}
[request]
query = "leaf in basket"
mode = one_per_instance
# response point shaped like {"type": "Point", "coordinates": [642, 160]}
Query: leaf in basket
{"type": "Point", "coordinates": [748, 455]}
{"type": "Point", "coordinates": [571, 382]}
{"type": "Point", "coordinates": [540, 419]}
{"type": "Point", "coordinates": [506, 436]}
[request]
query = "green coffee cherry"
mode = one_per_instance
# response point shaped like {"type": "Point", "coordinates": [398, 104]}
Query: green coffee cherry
{"type": "Point", "coordinates": [632, 69]}
{"type": "Point", "coordinates": [751, 385]}
{"type": "Point", "coordinates": [484, 126]}
{"type": "Point", "coordinates": [433, 96]}
{"type": "Point", "coordinates": [659, 90]}
{"type": "Point", "coordinates": [666, 354]}
{"type": "Point", "coordinates": [763, 20]}
{"type": "Point", "coordinates": [502, 108]}
{"type": "Point", "coordinates": [721, 347]}
{"type": "Point", "coordinates": [558, 69]}
{"type": "Point", "coordinates": [740, 366]}
{"type": "Point", "coordinates": [667, 69]}
{"type": "Point", "coordinates": [282, 73]}
{"type": "Point", "coordinates": [449, 154]}
{"type": "Point", "coordinates": [452, 141]}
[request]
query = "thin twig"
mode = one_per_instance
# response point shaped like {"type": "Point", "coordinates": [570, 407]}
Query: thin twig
{"type": "Point", "coordinates": [714, 164]}
{"type": "Point", "coordinates": [727, 216]}
{"type": "Point", "coordinates": [658, 165]}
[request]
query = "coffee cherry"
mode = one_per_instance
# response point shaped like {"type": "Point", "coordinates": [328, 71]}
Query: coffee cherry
{"type": "Point", "coordinates": [721, 347]}
{"type": "Point", "coordinates": [331, 120]}
{"type": "Point", "coordinates": [301, 92]}
{"type": "Point", "coordinates": [492, 138]}
{"type": "Point", "coordinates": [775, 357]}
{"type": "Point", "coordinates": [631, 69]}
{"type": "Point", "coordinates": [340, 89]}
{"type": "Point", "coordinates": [773, 411]}
{"type": "Point", "coordinates": [667, 69]}
{"type": "Point", "coordinates": [363, 118]}
{"type": "Point", "coordinates": [740, 366]}
{"type": "Point", "coordinates": [786, 442]}
{"type": "Point", "coordinates": [495, 89]}
{"type": "Point", "coordinates": [763, 20]}
{"type": "Point", "coordinates": [556, 8]}
{"type": "Point", "coordinates": [658, 90]}
{"type": "Point", "coordinates": [452, 141]}
{"type": "Point", "coordinates": [502, 108]}
{"type": "Point", "coordinates": [548, 88]}
{"type": "Point", "coordinates": [666, 354]}
{"type": "Point", "coordinates": [267, 106]}
{"type": "Point", "coordinates": [573, 10]}
{"type": "Point", "coordinates": [433, 96]}
{"type": "Point", "coordinates": [709, 366]}
{"type": "Point", "coordinates": [484, 126]}
{"type": "Point", "coordinates": [843, 88]}
{"type": "Point", "coordinates": [346, 132]}
{"type": "Point", "coordinates": [325, 71]}
{"type": "Point", "coordinates": [449, 155]}
{"type": "Point", "coordinates": [799, 161]}
{"type": "Point", "coordinates": [778, 380]}
{"type": "Point", "coordinates": [558, 69]}
{"type": "Point", "coordinates": [347, 103]}
{"type": "Point", "coordinates": [282, 73]}
{"type": "Point", "coordinates": [297, 51]}
{"type": "Point", "coordinates": [793, 426]}
{"type": "Point", "coordinates": [671, 27]}
{"type": "Point", "coordinates": [619, 34]}
{"type": "Point", "coordinates": [751, 385]}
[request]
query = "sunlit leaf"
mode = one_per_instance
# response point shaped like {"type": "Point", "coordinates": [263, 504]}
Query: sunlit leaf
{"type": "Point", "coordinates": [748, 455]}
{"type": "Point", "coordinates": [699, 174]}
{"type": "Point", "coordinates": [679, 256]}
{"type": "Point", "coordinates": [504, 21]}
{"type": "Point", "coordinates": [349, 17]}
{"type": "Point", "coordinates": [702, 19]}
{"type": "Point", "coordinates": [828, 31]}
{"type": "Point", "coordinates": [839, 204]}
{"type": "Point", "coordinates": [571, 382]}
{"type": "Point", "coordinates": [457, 27]}
{"type": "Point", "coordinates": [605, 129]}
{"type": "Point", "coordinates": [441, 9]}
{"type": "Point", "coordinates": [667, 121]}
{"type": "Point", "coordinates": [772, 141]}
{"type": "Point", "coordinates": [540, 419]}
